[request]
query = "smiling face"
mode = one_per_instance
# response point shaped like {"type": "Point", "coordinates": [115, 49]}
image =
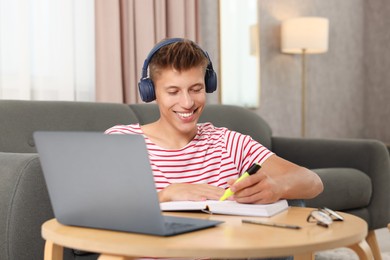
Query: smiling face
{"type": "Point", "coordinates": [178, 74]}
{"type": "Point", "coordinates": [181, 97]}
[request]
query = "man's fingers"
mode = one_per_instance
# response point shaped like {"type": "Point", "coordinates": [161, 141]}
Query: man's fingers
{"type": "Point", "coordinates": [248, 182]}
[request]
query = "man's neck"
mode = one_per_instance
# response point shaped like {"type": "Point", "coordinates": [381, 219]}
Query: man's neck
{"type": "Point", "coordinates": [167, 136]}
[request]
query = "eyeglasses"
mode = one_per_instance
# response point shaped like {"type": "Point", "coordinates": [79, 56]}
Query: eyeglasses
{"type": "Point", "coordinates": [324, 217]}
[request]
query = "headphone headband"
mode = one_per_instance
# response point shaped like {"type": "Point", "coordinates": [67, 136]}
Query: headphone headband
{"type": "Point", "coordinates": [145, 85]}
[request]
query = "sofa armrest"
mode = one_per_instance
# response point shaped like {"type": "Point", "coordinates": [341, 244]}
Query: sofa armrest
{"type": "Point", "coordinates": [362, 154]}
{"type": "Point", "coordinates": [369, 156]}
{"type": "Point", "coordinates": [24, 205]}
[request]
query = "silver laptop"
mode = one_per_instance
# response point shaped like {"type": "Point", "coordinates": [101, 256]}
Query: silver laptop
{"type": "Point", "coordinates": [106, 181]}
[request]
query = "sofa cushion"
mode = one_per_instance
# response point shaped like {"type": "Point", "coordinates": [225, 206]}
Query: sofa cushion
{"type": "Point", "coordinates": [238, 119]}
{"type": "Point", "coordinates": [344, 189]}
{"type": "Point", "coordinates": [23, 117]}
{"type": "Point", "coordinates": [146, 113]}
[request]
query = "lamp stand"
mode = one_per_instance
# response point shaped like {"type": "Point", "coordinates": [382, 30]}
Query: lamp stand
{"type": "Point", "coordinates": [303, 94]}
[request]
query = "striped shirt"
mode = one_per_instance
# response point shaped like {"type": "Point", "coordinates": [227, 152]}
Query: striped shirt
{"type": "Point", "coordinates": [214, 156]}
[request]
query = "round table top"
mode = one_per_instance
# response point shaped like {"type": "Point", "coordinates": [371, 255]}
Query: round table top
{"type": "Point", "coordinates": [232, 239]}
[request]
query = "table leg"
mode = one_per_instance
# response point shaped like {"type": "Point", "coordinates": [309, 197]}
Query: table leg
{"type": "Point", "coordinates": [305, 256]}
{"type": "Point", "coordinates": [363, 250]}
{"type": "Point", "coordinates": [53, 251]}
{"type": "Point", "coordinates": [373, 244]}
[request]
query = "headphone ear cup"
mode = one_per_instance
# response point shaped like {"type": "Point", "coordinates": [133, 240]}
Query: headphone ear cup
{"type": "Point", "coordinates": [146, 90]}
{"type": "Point", "coordinates": [210, 81]}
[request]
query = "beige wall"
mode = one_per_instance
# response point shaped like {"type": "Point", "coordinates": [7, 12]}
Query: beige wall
{"type": "Point", "coordinates": [348, 87]}
{"type": "Point", "coordinates": [335, 80]}
{"type": "Point", "coordinates": [377, 69]}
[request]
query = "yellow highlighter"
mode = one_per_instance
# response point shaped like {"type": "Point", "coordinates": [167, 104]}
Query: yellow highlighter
{"type": "Point", "coordinates": [253, 169]}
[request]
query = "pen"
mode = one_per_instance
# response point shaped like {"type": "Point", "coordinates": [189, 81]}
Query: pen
{"type": "Point", "coordinates": [271, 224]}
{"type": "Point", "coordinates": [253, 169]}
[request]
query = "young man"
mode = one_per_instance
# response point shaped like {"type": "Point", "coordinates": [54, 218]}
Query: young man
{"type": "Point", "coordinates": [192, 161]}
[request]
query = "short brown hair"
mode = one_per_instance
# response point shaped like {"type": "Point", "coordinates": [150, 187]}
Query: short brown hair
{"type": "Point", "coordinates": [181, 55]}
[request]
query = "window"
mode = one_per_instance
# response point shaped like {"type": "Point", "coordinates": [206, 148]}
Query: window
{"type": "Point", "coordinates": [240, 69]}
{"type": "Point", "coordinates": [47, 50]}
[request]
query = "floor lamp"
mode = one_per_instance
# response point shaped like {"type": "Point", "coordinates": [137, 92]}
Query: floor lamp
{"type": "Point", "coordinates": [304, 35]}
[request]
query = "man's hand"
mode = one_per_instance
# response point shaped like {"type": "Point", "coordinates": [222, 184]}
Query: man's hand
{"type": "Point", "coordinates": [257, 188]}
{"type": "Point", "coordinates": [192, 192]}
{"type": "Point", "coordinates": [277, 179]}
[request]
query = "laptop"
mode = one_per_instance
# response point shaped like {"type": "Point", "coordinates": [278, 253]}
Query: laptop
{"type": "Point", "coordinates": [106, 182]}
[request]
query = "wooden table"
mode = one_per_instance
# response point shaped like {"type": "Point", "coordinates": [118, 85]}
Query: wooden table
{"type": "Point", "coordinates": [231, 239]}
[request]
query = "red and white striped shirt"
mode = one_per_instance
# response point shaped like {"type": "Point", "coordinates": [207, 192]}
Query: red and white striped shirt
{"type": "Point", "coordinates": [214, 156]}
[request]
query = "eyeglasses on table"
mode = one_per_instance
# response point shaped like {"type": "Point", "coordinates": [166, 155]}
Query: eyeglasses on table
{"type": "Point", "coordinates": [324, 217]}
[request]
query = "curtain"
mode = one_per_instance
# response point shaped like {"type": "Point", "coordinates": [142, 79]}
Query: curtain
{"type": "Point", "coordinates": [126, 30]}
{"type": "Point", "coordinates": [47, 50]}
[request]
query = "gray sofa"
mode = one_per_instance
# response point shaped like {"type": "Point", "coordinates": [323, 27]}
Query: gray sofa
{"type": "Point", "coordinates": [356, 173]}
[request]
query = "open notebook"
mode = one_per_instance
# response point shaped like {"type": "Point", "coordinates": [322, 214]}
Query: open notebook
{"type": "Point", "coordinates": [227, 207]}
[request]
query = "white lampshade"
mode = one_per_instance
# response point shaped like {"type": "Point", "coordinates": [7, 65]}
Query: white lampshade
{"type": "Point", "coordinates": [305, 33]}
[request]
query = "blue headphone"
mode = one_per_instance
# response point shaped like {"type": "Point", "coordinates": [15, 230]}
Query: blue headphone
{"type": "Point", "coordinates": [145, 85]}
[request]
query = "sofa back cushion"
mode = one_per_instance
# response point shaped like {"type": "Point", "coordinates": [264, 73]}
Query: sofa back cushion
{"type": "Point", "coordinates": [146, 113]}
{"type": "Point", "coordinates": [239, 119]}
{"type": "Point", "coordinates": [20, 118]}
{"type": "Point", "coordinates": [232, 117]}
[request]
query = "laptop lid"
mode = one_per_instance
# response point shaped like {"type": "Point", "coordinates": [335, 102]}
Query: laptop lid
{"type": "Point", "coordinates": [104, 181]}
